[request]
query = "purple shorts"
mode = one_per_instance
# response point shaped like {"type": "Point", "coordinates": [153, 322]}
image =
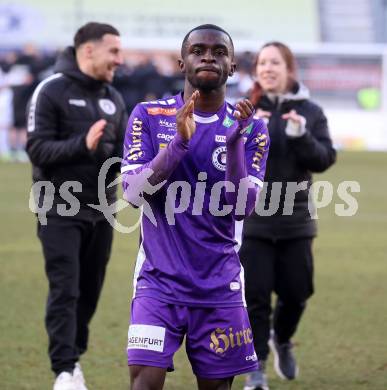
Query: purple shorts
{"type": "Point", "coordinates": [219, 341]}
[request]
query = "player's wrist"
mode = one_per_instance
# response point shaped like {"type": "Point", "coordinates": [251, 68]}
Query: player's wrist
{"type": "Point", "coordinates": [234, 138]}
{"type": "Point", "coordinates": [181, 141]}
{"type": "Point", "coordinates": [234, 134]}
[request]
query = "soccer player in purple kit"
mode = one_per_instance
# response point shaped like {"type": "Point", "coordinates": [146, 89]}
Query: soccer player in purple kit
{"type": "Point", "coordinates": [196, 164]}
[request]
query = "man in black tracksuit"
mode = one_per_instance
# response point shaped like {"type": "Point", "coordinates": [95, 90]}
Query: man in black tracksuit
{"type": "Point", "coordinates": [76, 121]}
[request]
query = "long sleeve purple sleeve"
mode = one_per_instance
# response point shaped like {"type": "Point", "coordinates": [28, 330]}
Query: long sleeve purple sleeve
{"type": "Point", "coordinates": [149, 177]}
{"type": "Point", "coordinates": [243, 199]}
{"type": "Point", "coordinates": [247, 150]}
{"type": "Point", "coordinates": [144, 170]}
{"type": "Point", "coordinates": [167, 159]}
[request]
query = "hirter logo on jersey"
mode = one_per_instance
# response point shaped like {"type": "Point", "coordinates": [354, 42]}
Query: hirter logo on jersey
{"type": "Point", "coordinates": [135, 148]}
{"type": "Point", "coordinates": [261, 141]}
{"type": "Point", "coordinates": [224, 339]}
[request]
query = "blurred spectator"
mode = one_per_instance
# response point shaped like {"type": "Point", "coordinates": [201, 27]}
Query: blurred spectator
{"type": "Point", "coordinates": [22, 72]}
{"type": "Point", "coordinates": [148, 79]}
{"type": "Point", "coordinates": [6, 115]}
{"type": "Point", "coordinates": [241, 82]}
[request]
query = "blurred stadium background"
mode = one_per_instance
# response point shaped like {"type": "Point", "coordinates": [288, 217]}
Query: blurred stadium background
{"type": "Point", "coordinates": [341, 48]}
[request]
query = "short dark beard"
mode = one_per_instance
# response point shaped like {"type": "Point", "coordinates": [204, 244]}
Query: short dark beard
{"type": "Point", "coordinates": [208, 86]}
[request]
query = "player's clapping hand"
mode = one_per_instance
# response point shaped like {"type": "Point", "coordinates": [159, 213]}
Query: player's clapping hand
{"type": "Point", "coordinates": [244, 113]}
{"type": "Point", "coordinates": [184, 118]}
{"type": "Point", "coordinates": [296, 124]}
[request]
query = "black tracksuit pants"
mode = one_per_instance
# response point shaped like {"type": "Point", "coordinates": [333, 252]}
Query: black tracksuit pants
{"type": "Point", "coordinates": [282, 266]}
{"type": "Point", "coordinates": [76, 253]}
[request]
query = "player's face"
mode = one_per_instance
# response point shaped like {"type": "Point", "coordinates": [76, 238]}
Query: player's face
{"type": "Point", "coordinates": [106, 56]}
{"type": "Point", "coordinates": [272, 72]}
{"type": "Point", "coordinates": [208, 59]}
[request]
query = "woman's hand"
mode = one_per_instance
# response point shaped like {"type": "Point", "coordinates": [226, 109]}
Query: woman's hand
{"type": "Point", "coordinates": [263, 114]}
{"type": "Point", "coordinates": [296, 124]}
{"type": "Point", "coordinates": [294, 117]}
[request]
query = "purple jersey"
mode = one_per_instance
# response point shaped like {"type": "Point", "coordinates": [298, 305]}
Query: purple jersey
{"type": "Point", "coordinates": [193, 260]}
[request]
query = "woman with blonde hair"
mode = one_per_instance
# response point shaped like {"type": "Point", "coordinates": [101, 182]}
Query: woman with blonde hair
{"type": "Point", "coordinates": [277, 244]}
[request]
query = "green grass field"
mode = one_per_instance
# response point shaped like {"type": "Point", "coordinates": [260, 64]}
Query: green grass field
{"type": "Point", "coordinates": [341, 343]}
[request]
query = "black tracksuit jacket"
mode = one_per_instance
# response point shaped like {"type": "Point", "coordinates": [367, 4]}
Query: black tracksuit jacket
{"type": "Point", "coordinates": [61, 111]}
{"type": "Point", "coordinates": [292, 159]}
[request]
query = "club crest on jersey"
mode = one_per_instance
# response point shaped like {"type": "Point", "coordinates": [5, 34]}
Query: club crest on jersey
{"type": "Point", "coordinates": [219, 158]}
{"type": "Point", "coordinates": [107, 106]}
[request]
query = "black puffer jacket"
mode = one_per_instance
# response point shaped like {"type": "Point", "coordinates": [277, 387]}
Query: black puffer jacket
{"type": "Point", "coordinates": [62, 109]}
{"type": "Point", "coordinates": [291, 160]}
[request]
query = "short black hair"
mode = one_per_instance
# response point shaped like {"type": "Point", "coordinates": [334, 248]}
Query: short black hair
{"type": "Point", "coordinates": [93, 31]}
{"type": "Point", "coordinates": [204, 27]}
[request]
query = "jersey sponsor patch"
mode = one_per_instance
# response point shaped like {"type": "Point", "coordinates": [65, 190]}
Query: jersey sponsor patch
{"type": "Point", "coordinates": [228, 122]}
{"type": "Point", "coordinates": [252, 358]}
{"type": "Point", "coordinates": [166, 137]}
{"type": "Point", "coordinates": [219, 158]}
{"type": "Point", "coordinates": [220, 138]}
{"type": "Point", "coordinates": [148, 337]}
{"type": "Point", "coordinates": [247, 130]}
{"type": "Point", "coordinates": [161, 111]}
{"type": "Point", "coordinates": [168, 125]}
{"type": "Point", "coordinates": [107, 106]}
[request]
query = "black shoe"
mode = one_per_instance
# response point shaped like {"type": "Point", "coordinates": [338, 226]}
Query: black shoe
{"type": "Point", "coordinates": [257, 380]}
{"type": "Point", "coordinates": [285, 364]}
